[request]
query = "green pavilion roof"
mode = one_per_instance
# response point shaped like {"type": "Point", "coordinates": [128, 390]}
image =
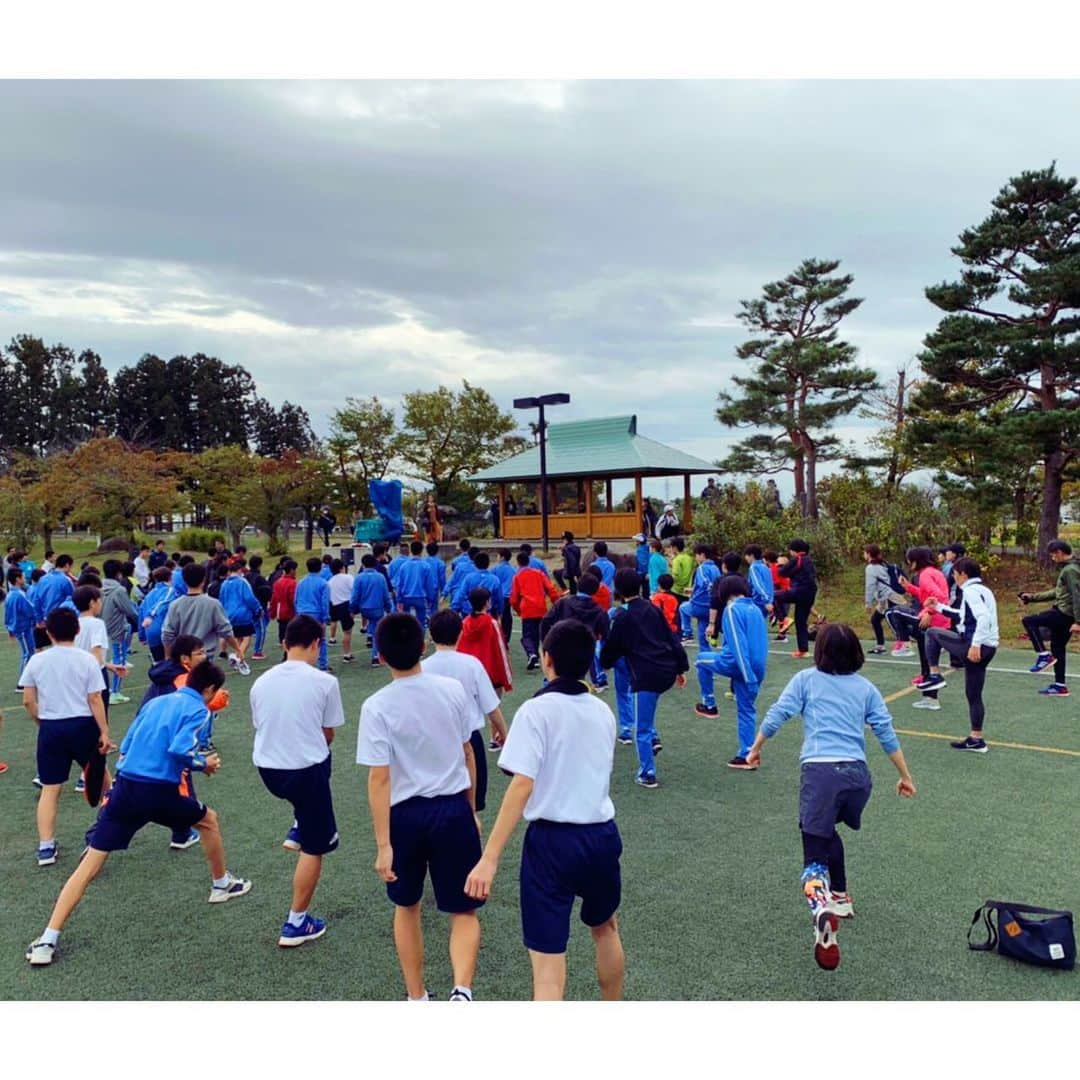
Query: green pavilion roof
{"type": "Point", "coordinates": [605, 447]}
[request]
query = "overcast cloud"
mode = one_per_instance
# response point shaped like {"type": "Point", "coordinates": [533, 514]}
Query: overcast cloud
{"type": "Point", "coordinates": [342, 239]}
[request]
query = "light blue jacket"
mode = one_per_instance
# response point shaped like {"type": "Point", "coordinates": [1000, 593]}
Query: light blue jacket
{"type": "Point", "coordinates": [761, 584]}
{"type": "Point", "coordinates": [18, 613]}
{"type": "Point", "coordinates": [370, 594]}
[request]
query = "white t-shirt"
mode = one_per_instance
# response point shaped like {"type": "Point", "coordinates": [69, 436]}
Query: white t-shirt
{"type": "Point", "coordinates": [473, 677]}
{"type": "Point", "coordinates": [92, 633]}
{"type": "Point", "coordinates": [340, 588]}
{"type": "Point", "coordinates": [290, 705]}
{"type": "Point", "coordinates": [565, 744]}
{"type": "Point", "coordinates": [63, 676]}
{"type": "Point", "coordinates": [142, 570]}
{"type": "Point", "coordinates": [418, 726]}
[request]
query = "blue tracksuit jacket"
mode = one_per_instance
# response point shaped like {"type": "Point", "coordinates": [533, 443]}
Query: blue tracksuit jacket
{"type": "Point", "coordinates": [240, 603]}
{"type": "Point", "coordinates": [370, 595]}
{"type": "Point", "coordinates": [164, 738]}
{"type": "Point", "coordinates": [313, 598]}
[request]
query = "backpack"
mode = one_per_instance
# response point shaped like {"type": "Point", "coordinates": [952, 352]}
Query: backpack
{"type": "Point", "coordinates": [895, 574]}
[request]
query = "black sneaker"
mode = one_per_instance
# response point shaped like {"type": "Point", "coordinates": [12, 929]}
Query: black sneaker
{"type": "Point", "coordinates": [975, 746]}
{"type": "Point", "coordinates": [349, 659]}
{"type": "Point", "coordinates": [781, 637]}
{"type": "Point", "coordinates": [657, 745]}
{"type": "Point", "coordinates": [493, 747]}
{"type": "Point", "coordinates": [931, 682]}
{"type": "Point", "coordinates": [533, 664]}
{"type": "Point", "coordinates": [706, 710]}
{"type": "Point", "coordinates": [648, 780]}
{"type": "Point", "coordinates": [375, 663]}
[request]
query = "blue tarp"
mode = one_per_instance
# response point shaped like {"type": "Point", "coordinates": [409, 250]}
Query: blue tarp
{"type": "Point", "coordinates": [386, 502]}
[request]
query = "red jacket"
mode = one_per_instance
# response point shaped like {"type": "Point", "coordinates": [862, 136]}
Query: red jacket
{"type": "Point", "coordinates": [482, 638]}
{"type": "Point", "coordinates": [528, 593]}
{"type": "Point", "coordinates": [282, 596]}
{"type": "Point", "coordinates": [668, 603]}
{"type": "Point", "coordinates": [602, 597]}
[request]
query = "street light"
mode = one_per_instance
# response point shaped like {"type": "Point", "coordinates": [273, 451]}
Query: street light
{"type": "Point", "coordinates": [539, 403]}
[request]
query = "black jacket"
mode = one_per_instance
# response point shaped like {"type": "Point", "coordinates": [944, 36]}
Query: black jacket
{"type": "Point", "coordinates": [640, 635]}
{"type": "Point", "coordinates": [571, 560]}
{"type": "Point", "coordinates": [580, 607]}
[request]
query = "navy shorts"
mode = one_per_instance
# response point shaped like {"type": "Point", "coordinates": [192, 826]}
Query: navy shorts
{"type": "Point", "coordinates": [560, 861]}
{"type": "Point", "coordinates": [131, 804]}
{"type": "Point", "coordinates": [439, 835]}
{"type": "Point", "coordinates": [340, 613]}
{"type": "Point", "coordinates": [831, 792]}
{"type": "Point", "coordinates": [60, 742]}
{"type": "Point", "coordinates": [243, 630]}
{"type": "Point", "coordinates": [309, 792]}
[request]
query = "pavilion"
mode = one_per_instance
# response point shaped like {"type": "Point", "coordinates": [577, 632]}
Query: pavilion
{"type": "Point", "coordinates": [582, 456]}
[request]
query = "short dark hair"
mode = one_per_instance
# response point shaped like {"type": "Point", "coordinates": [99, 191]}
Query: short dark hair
{"type": "Point", "coordinates": [63, 560]}
{"type": "Point", "coordinates": [289, 565]}
{"type": "Point", "coordinates": [205, 676]}
{"type": "Point", "coordinates": [14, 574]}
{"type": "Point", "coordinates": [666, 582]}
{"type": "Point", "coordinates": [656, 545]}
{"type": "Point", "coordinates": [368, 561]}
{"type": "Point", "coordinates": [588, 584]}
{"type": "Point", "coordinates": [627, 583]}
{"type": "Point", "coordinates": [730, 585]}
{"type": "Point", "coordinates": [769, 555]}
{"type": "Point", "coordinates": [874, 551]}
{"type": "Point", "coordinates": [433, 548]}
{"type": "Point", "coordinates": [445, 627]}
{"type": "Point", "coordinates": [968, 567]}
{"type": "Point", "coordinates": [193, 574]}
{"type": "Point", "coordinates": [186, 560]}
{"type": "Point", "coordinates": [112, 567]}
{"type": "Point", "coordinates": [416, 548]}
{"type": "Point", "coordinates": [400, 641]}
{"type": "Point", "coordinates": [49, 553]}
{"type": "Point", "coordinates": [731, 562]}
{"type": "Point", "coordinates": [838, 650]}
{"type": "Point", "coordinates": [601, 549]}
{"type": "Point", "coordinates": [523, 558]}
{"type": "Point", "coordinates": [62, 624]}
{"type": "Point", "coordinates": [161, 575]}
{"type": "Point", "coordinates": [36, 575]}
{"type": "Point", "coordinates": [919, 557]}
{"type": "Point", "coordinates": [678, 543]}
{"type": "Point", "coordinates": [957, 549]}
{"type": "Point", "coordinates": [88, 577]}
{"type": "Point", "coordinates": [337, 566]}
{"type": "Point", "coordinates": [478, 599]}
{"type": "Point", "coordinates": [144, 547]}
{"type": "Point", "coordinates": [506, 553]}
{"type": "Point", "coordinates": [465, 544]}
{"type": "Point", "coordinates": [327, 559]}
{"type": "Point", "coordinates": [84, 596]}
{"type": "Point", "coordinates": [1060, 545]}
{"type": "Point", "coordinates": [159, 543]}
{"type": "Point", "coordinates": [703, 549]}
{"type": "Point", "coordinates": [482, 560]}
{"type": "Point", "coordinates": [800, 547]}
{"type": "Point", "coordinates": [752, 549]}
{"type": "Point", "coordinates": [568, 536]}
{"type": "Point", "coordinates": [571, 646]}
{"type": "Point", "coordinates": [186, 645]}
{"type": "Point", "coordinates": [527, 548]}
{"type": "Point", "coordinates": [314, 565]}
{"type": "Point", "coordinates": [302, 631]}
{"type": "Point", "coordinates": [255, 562]}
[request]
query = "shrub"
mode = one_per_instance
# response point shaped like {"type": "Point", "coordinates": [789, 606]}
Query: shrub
{"type": "Point", "coordinates": [195, 539]}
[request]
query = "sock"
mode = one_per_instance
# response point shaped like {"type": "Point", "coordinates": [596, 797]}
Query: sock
{"type": "Point", "coordinates": [463, 990]}
{"type": "Point", "coordinates": [424, 998]}
{"type": "Point", "coordinates": [49, 936]}
{"type": "Point", "coordinates": [296, 918]}
{"type": "Point", "coordinates": [43, 844]}
{"type": "Point", "coordinates": [221, 882]}
{"type": "Point", "coordinates": [815, 883]}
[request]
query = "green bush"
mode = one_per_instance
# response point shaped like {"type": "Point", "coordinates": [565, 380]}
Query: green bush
{"type": "Point", "coordinates": [195, 539]}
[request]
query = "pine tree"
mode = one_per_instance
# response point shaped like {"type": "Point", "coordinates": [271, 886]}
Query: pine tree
{"type": "Point", "coordinates": [804, 378]}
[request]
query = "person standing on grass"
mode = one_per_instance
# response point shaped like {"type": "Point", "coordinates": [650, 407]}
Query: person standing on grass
{"type": "Point", "coordinates": [415, 739]}
{"type": "Point", "coordinates": [341, 586]}
{"type": "Point", "coordinates": [973, 644]}
{"type": "Point", "coordinates": [877, 594]}
{"type": "Point", "coordinates": [602, 564]}
{"type": "Point", "coordinates": [296, 711]}
{"type": "Point", "coordinates": [801, 591]}
{"type": "Point", "coordinates": [313, 598]}
{"type": "Point", "coordinates": [567, 576]}
{"type": "Point", "coordinates": [698, 606]}
{"type": "Point", "coordinates": [242, 609]}
{"type": "Point", "coordinates": [283, 600]}
{"type": "Point", "coordinates": [19, 617]}
{"type": "Point", "coordinates": [121, 619]}
{"type": "Point", "coordinates": [371, 601]}
{"type": "Point", "coordinates": [682, 569]}
{"type": "Point", "coordinates": [152, 612]}
{"type": "Point", "coordinates": [159, 746]}
{"type": "Point", "coordinates": [158, 557]}
{"type": "Point", "coordinates": [583, 607]}
{"type": "Point", "coordinates": [413, 583]}
{"type": "Point", "coordinates": [759, 578]}
{"type": "Point", "coordinates": [261, 588]}
{"type": "Point", "coordinates": [560, 753]}
{"type": "Point", "coordinates": [1062, 620]}
{"type": "Point", "coordinates": [482, 638]}
{"type": "Point", "coordinates": [200, 615]}
{"type": "Point", "coordinates": [929, 584]}
{"type": "Point", "coordinates": [436, 579]}
{"type": "Point", "coordinates": [528, 597]}
{"type": "Point", "coordinates": [656, 566]}
{"type": "Point", "coordinates": [505, 570]}
{"type": "Point", "coordinates": [836, 705]}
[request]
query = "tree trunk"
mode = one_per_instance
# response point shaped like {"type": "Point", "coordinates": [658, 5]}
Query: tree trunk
{"type": "Point", "coordinates": [309, 529]}
{"type": "Point", "coordinates": [893, 479]}
{"type": "Point", "coordinates": [46, 536]}
{"type": "Point", "coordinates": [1050, 514]}
{"type": "Point", "coordinates": [811, 508]}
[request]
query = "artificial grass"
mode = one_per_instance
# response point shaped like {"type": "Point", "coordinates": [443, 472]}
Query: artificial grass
{"type": "Point", "coordinates": [711, 906]}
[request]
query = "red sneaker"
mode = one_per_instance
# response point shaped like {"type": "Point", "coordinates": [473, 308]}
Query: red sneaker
{"type": "Point", "coordinates": [826, 948]}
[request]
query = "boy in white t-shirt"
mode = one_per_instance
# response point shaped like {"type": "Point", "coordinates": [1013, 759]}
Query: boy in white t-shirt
{"type": "Point", "coordinates": [62, 691]}
{"type": "Point", "coordinates": [560, 750]}
{"type": "Point", "coordinates": [445, 629]}
{"type": "Point", "coordinates": [295, 709]}
{"type": "Point", "coordinates": [415, 737]}
{"type": "Point", "coordinates": [341, 586]}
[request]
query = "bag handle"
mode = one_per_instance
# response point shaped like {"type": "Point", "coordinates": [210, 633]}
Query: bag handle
{"type": "Point", "coordinates": [1025, 909]}
{"type": "Point", "coordinates": [991, 931]}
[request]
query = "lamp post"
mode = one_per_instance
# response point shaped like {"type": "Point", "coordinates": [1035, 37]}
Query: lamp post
{"type": "Point", "coordinates": [539, 403]}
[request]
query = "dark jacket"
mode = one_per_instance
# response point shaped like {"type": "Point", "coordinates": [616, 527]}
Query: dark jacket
{"type": "Point", "coordinates": [571, 555]}
{"type": "Point", "coordinates": [163, 677]}
{"type": "Point", "coordinates": [640, 635]}
{"type": "Point", "coordinates": [580, 607]}
{"type": "Point", "coordinates": [801, 575]}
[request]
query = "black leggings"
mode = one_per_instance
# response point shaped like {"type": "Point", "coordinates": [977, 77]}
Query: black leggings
{"type": "Point", "coordinates": [506, 620]}
{"type": "Point", "coordinates": [1059, 624]}
{"type": "Point", "coordinates": [877, 621]}
{"type": "Point", "coordinates": [804, 604]}
{"type": "Point", "coordinates": [476, 741]}
{"type": "Point", "coordinates": [974, 674]}
{"type": "Point", "coordinates": [905, 625]}
{"type": "Point", "coordinates": [828, 850]}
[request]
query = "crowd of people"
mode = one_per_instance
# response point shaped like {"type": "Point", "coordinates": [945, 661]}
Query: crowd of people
{"type": "Point", "coordinates": [597, 620]}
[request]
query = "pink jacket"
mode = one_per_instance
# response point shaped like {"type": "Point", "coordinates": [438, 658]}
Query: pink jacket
{"type": "Point", "coordinates": [931, 583]}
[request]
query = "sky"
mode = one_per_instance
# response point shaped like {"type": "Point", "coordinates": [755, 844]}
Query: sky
{"type": "Point", "coordinates": [593, 237]}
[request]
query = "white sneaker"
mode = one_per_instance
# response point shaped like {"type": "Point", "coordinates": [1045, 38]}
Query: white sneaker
{"type": "Point", "coordinates": [927, 703]}
{"type": "Point", "coordinates": [904, 650]}
{"type": "Point", "coordinates": [841, 906]}
{"type": "Point", "coordinates": [243, 667]}
{"type": "Point", "coordinates": [40, 953]}
{"type": "Point", "coordinates": [234, 661]}
{"type": "Point", "coordinates": [233, 887]}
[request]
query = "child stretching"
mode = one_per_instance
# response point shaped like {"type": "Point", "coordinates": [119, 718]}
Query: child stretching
{"type": "Point", "coordinates": [19, 617]}
{"type": "Point", "coordinates": [836, 705]}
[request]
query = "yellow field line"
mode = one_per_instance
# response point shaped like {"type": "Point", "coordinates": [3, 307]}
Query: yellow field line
{"type": "Point", "coordinates": [993, 742]}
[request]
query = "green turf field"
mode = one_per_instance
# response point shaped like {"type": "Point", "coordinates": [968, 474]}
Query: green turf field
{"type": "Point", "coordinates": [711, 905]}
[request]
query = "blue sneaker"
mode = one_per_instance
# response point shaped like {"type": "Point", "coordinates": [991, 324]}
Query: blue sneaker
{"type": "Point", "coordinates": [1055, 689]}
{"type": "Point", "coordinates": [190, 840]}
{"type": "Point", "coordinates": [292, 840]}
{"type": "Point", "coordinates": [309, 930]}
{"type": "Point", "coordinates": [46, 856]}
{"type": "Point", "coordinates": [1042, 662]}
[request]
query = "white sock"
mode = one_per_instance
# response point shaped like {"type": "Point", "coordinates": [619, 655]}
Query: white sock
{"type": "Point", "coordinates": [50, 936]}
{"type": "Point", "coordinates": [221, 882]}
{"type": "Point", "coordinates": [424, 998]}
{"type": "Point", "coordinates": [467, 991]}
{"type": "Point", "coordinates": [296, 918]}
{"type": "Point", "coordinates": [43, 844]}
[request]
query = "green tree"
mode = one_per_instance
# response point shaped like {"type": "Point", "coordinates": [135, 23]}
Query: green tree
{"type": "Point", "coordinates": [889, 448]}
{"type": "Point", "coordinates": [1011, 335]}
{"type": "Point", "coordinates": [223, 480]}
{"type": "Point", "coordinates": [449, 435]}
{"type": "Point", "coordinates": [364, 441]}
{"type": "Point", "coordinates": [273, 431]}
{"type": "Point", "coordinates": [804, 378]}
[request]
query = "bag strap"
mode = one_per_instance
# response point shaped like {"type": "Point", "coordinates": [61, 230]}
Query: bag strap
{"type": "Point", "coordinates": [1025, 909]}
{"type": "Point", "coordinates": [991, 931]}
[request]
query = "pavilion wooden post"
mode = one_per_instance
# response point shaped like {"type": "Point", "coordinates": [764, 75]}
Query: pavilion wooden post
{"type": "Point", "coordinates": [688, 509]}
{"type": "Point", "coordinates": [608, 494]}
{"type": "Point", "coordinates": [588, 508]}
{"type": "Point", "coordinates": [502, 509]}
{"type": "Point", "coordinates": [639, 506]}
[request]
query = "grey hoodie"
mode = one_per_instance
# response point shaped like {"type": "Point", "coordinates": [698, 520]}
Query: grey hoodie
{"type": "Point", "coordinates": [199, 615]}
{"type": "Point", "coordinates": [117, 610]}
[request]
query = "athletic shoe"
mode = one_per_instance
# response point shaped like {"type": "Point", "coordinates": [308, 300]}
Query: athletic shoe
{"type": "Point", "coordinates": [243, 667]}
{"type": "Point", "coordinates": [647, 780]}
{"type": "Point", "coordinates": [975, 746]}
{"type": "Point", "coordinates": [841, 906]}
{"type": "Point", "coordinates": [781, 637]}
{"type": "Point", "coordinates": [46, 856]}
{"type": "Point", "coordinates": [36, 781]}
{"type": "Point", "coordinates": [927, 703]}
{"type": "Point", "coordinates": [932, 682]}
{"type": "Point", "coordinates": [877, 650]}
{"type": "Point", "coordinates": [3, 766]}
{"type": "Point", "coordinates": [331, 641]}
{"type": "Point", "coordinates": [493, 747]}
{"type": "Point", "coordinates": [626, 740]}
{"type": "Point", "coordinates": [826, 948]}
{"type": "Point", "coordinates": [1055, 689]}
{"type": "Point", "coordinates": [40, 953]}
{"type": "Point", "coordinates": [347, 658]}
{"type": "Point", "coordinates": [601, 688]}
{"type": "Point", "coordinates": [740, 763]}
{"type": "Point", "coordinates": [919, 679]}
{"type": "Point", "coordinates": [233, 887]}
{"type": "Point", "coordinates": [460, 994]}
{"type": "Point", "coordinates": [785, 624]}
{"type": "Point", "coordinates": [190, 840]}
{"type": "Point", "coordinates": [292, 840]}
{"type": "Point", "coordinates": [799, 655]}
{"type": "Point", "coordinates": [370, 643]}
{"type": "Point", "coordinates": [1042, 662]}
{"type": "Point", "coordinates": [310, 929]}
{"type": "Point", "coordinates": [691, 643]}
{"type": "Point", "coordinates": [258, 656]}
{"type": "Point", "coordinates": [901, 649]}
{"type": "Point", "coordinates": [234, 662]}
{"type": "Point", "coordinates": [706, 710]}
{"type": "Point", "coordinates": [533, 664]}
{"type": "Point", "coordinates": [375, 662]}
{"type": "Point", "coordinates": [657, 745]}
{"type": "Point", "coordinates": [80, 786]}
{"type": "Point", "coordinates": [686, 639]}
{"type": "Point", "coordinates": [118, 699]}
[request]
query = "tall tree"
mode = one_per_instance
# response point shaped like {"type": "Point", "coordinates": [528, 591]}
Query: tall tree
{"type": "Point", "coordinates": [449, 435]}
{"type": "Point", "coordinates": [804, 377]}
{"type": "Point", "coordinates": [888, 445]}
{"type": "Point", "coordinates": [1011, 334]}
{"type": "Point", "coordinates": [364, 441]}
{"type": "Point", "coordinates": [148, 405]}
{"type": "Point", "coordinates": [222, 480]}
{"type": "Point", "coordinates": [273, 431]}
{"type": "Point", "coordinates": [96, 409]}
{"type": "Point", "coordinates": [30, 424]}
